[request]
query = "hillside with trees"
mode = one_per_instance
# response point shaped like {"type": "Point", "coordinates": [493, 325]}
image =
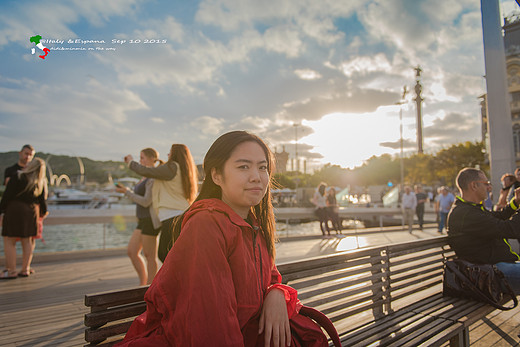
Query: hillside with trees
{"type": "Point", "coordinates": [427, 169]}
{"type": "Point", "coordinates": [95, 171]}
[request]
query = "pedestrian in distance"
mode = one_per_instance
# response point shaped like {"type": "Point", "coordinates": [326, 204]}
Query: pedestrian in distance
{"type": "Point", "coordinates": [421, 197]}
{"type": "Point", "coordinates": [332, 208]}
{"type": "Point", "coordinates": [144, 237]}
{"type": "Point", "coordinates": [408, 204]}
{"type": "Point", "coordinates": [444, 201]}
{"type": "Point", "coordinates": [320, 201]}
{"type": "Point", "coordinates": [507, 180]}
{"type": "Point", "coordinates": [22, 204]}
{"type": "Point", "coordinates": [25, 156]}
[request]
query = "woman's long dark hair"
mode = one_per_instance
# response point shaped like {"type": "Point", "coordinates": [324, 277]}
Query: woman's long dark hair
{"type": "Point", "coordinates": [217, 155]}
{"type": "Point", "coordinates": [182, 156]}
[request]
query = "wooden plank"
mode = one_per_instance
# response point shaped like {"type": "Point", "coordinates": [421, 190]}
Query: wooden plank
{"type": "Point", "coordinates": [349, 297]}
{"type": "Point", "coordinates": [330, 274]}
{"type": "Point", "coordinates": [403, 248]}
{"type": "Point", "coordinates": [418, 271]}
{"type": "Point", "coordinates": [435, 333]}
{"type": "Point", "coordinates": [92, 335]}
{"type": "Point", "coordinates": [96, 319]}
{"type": "Point", "coordinates": [327, 260]}
{"type": "Point", "coordinates": [308, 271]}
{"type": "Point", "coordinates": [347, 287]}
{"type": "Point", "coordinates": [114, 298]}
{"type": "Point", "coordinates": [499, 328]}
{"type": "Point", "coordinates": [388, 331]}
{"type": "Point", "coordinates": [433, 253]}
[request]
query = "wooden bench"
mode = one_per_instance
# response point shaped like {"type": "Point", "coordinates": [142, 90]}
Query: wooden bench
{"type": "Point", "coordinates": [381, 296]}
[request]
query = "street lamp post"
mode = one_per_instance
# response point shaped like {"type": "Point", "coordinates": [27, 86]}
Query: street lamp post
{"type": "Point", "coordinates": [400, 103]}
{"type": "Point", "coordinates": [297, 166]}
{"type": "Point", "coordinates": [401, 163]}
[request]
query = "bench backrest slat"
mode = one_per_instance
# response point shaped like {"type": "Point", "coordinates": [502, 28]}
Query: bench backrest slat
{"type": "Point", "coordinates": [115, 298]}
{"type": "Point", "coordinates": [100, 318]}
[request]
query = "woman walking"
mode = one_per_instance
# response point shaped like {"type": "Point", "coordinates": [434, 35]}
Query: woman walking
{"type": "Point", "coordinates": [144, 237]}
{"type": "Point", "coordinates": [22, 204]}
{"type": "Point", "coordinates": [174, 189]}
{"type": "Point", "coordinates": [219, 285]}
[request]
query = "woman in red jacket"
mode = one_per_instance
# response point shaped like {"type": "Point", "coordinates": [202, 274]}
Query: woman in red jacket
{"type": "Point", "coordinates": [219, 285]}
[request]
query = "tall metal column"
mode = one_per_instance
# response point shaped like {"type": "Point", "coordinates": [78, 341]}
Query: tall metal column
{"type": "Point", "coordinates": [501, 153]}
{"type": "Point", "coordinates": [418, 100]}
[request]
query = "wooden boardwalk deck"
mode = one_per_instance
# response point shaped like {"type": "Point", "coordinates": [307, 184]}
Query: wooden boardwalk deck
{"type": "Point", "coordinates": [47, 308]}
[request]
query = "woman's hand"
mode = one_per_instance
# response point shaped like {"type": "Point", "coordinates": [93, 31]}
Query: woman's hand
{"type": "Point", "coordinates": [121, 189]}
{"type": "Point", "coordinates": [274, 320]}
{"type": "Point", "coordinates": [128, 158]}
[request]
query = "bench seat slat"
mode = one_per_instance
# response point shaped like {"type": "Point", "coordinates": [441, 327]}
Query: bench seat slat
{"type": "Point", "coordinates": [96, 319]}
{"type": "Point", "coordinates": [106, 332]}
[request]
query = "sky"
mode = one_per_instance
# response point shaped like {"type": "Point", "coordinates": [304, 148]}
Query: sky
{"type": "Point", "coordinates": [123, 75]}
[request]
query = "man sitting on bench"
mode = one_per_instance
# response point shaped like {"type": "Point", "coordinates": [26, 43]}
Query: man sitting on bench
{"type": "Point", "coordinates": [480, 236]}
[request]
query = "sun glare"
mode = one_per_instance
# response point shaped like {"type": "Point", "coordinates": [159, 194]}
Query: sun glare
{"type": "Point", "coordinates": [349, 139]}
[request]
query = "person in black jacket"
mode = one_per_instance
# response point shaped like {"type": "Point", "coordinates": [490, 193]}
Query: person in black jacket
{"type": "Point", "coordinates": [21, 206]}
{"type": "Point", "coordinates": [480, 236]}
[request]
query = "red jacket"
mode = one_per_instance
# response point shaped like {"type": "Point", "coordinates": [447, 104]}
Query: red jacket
{"type": "Point", "coordinates": [211, 287]}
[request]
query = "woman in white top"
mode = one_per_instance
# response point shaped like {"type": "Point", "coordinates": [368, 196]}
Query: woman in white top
{"type": "Point", "coordinates": [320, 201]}
{"type": "Point", "coordinates": [174, 189]}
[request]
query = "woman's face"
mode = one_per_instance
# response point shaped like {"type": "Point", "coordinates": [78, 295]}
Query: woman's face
{"type": "Point", "coordinates": [244, 178]}
{"type": "Point", "coordinates": [145, 160]}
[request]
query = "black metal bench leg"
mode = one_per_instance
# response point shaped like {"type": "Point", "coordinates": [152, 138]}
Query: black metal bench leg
{"type": "Point", "coordinates": [461, 339]}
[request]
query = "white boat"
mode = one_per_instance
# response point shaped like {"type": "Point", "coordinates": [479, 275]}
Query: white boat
{"type": "Point", "coordinates": [83, 199]}
{"type": "Point", "coordinates": [69, 197]}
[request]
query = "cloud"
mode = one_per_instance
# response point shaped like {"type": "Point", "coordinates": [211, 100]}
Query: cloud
{"type": "Point", "coordinates": [453, 128]}
{"type": "Point", "coordinates": [208, 126]}
{"type": "Point", "coordinates": [307, 74]}
{"type": "Point", "coordinates": [233, 15]}
{"type": "Point", "coordinates": [69, 117]}
{"type": "Point", "coordinates": [53, 19]}
{"type": "Point", "coordinates": [407, 144]}
{"type": "Point", "coordinates": [366, 64]}
{"type": "Point", "coordinates": [168, 28]}
{"type": "Point", "coordinates": [351, 101]}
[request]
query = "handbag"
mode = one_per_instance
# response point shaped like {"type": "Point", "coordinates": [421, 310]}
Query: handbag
{"type": "Point", "coordinates": [482, 282]}
{"type": "Point", "coordinates": [302, 332]}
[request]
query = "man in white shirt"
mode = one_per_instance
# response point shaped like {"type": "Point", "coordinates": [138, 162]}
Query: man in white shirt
{"type": "Point", "coordinates": [408, 203]}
